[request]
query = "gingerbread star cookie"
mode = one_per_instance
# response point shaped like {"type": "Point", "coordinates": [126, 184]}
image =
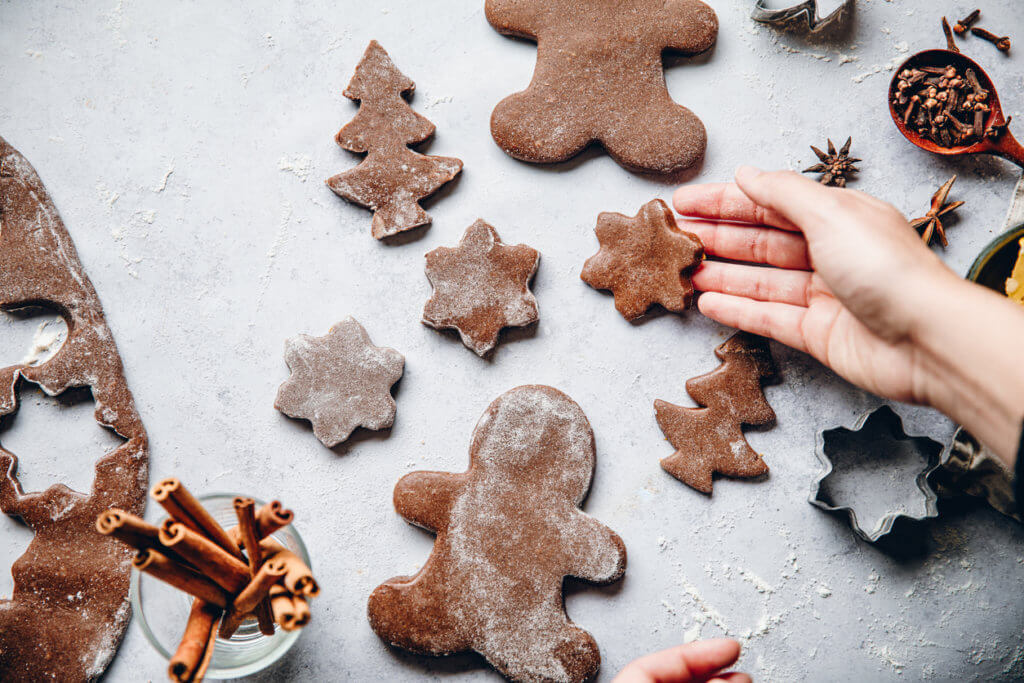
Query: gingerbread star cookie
{"type": "Point", "coordinates": [509, 530]}
{"type": "Point", "coordinates": [710, 439]}
{"type": "Point", "coordinates": [339, 382]}
{"type": "Point", "coordinates": [392, 179]}
{"type": "Point", "coordinates": [481, 287]}
{"type": "Point", "coordinates": [644, 260]}
{"type": "Point", "coordinates": [69, 608]}
{"type": "Point", "coordinates": [599, 79]}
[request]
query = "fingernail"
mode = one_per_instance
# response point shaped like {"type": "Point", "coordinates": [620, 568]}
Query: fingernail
{"type": "Point", "coordinates": [748, 172]}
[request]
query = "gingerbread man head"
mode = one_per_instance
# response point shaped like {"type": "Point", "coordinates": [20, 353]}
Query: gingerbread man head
{"type": "Point", "coordinates": [600, 79]}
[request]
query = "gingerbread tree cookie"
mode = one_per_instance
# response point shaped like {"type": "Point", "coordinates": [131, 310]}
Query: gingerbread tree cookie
{"type": "Point", "coordinates": [339, 382]}
{"type": "Point", "coordinates": [710, 439]}
{"type": "Point", "coordinates": [70, 606]}
{"type": "Point", "coordinates": [481, 287]}
{"type": "Point", "coordinates": [508, 531]}
{"type": "Point", "coordinates": [392, 179]}
{"type": "Point", "coordinates": [599, 78]}
{"type": "Point", "coordinates": [644, 260]}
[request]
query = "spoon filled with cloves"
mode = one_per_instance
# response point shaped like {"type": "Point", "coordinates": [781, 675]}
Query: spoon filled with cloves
{"type": "Point", "coordinates": [943, 102]}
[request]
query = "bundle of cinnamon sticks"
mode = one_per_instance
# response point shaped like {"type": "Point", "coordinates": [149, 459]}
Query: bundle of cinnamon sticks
{"type": "Point", "coordinates": [232, 574]}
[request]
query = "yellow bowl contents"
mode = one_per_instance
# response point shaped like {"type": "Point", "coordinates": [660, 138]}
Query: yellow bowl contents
{"type": "Point", "coordinates": [1015, 283]}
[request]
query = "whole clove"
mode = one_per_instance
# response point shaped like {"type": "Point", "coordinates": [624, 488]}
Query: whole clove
{"type": "Point", "coordinates": [964, 24]}
{"type": "Point", "coordinates": [950, 42]}
{"type": "Point", "coordinates": [943, 105]}
{"type": "Point", "coordinates": [1002, 43]}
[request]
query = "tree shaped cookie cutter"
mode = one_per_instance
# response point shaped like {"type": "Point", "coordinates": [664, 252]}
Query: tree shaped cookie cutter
{"type": "Point", "coordinates": [875, 443]}
{"type": "Point", "coordinates": [808, 10]}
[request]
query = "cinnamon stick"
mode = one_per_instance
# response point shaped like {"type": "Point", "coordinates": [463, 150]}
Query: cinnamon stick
{"type": "Point", "coordinates": [283, 607]}
{"type": "Point", "coordinates": [181, 577]}
{"type": "Point", "coordinates": [208, 557]}
{"type": "Point", "coordinates": [246, 601]}
{"type": "Point", "coordinates": [302, 614]}
{"type": "Point", "coordinates": [183, 507]}
{"type": "Point", "coordinates": [244, 510]}
{"type": "Point", "coordinates": [190, 661]}
{"type": "Point", "coordinates": [127, 528]}
{"type": "Point", "coordinates": [298, 577]}
{"type": "Point", "coordinates": [270, 518]}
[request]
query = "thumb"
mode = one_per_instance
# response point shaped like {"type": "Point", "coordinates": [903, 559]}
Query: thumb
{"type": "Point", "coordinates": [802, 201]}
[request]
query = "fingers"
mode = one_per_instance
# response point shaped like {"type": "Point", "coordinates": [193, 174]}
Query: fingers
{"type": "Point", "coordinates": [790, 196]}
{"type": "Point", "coordinates": [779, 321]}
{"type": "Point", "coordinates": [750, 243]}
{"type": "Point", "coordinates": [762, 284]}
{"type": "Point", "coordinates": [683, 664]}
{"type": "Point", "coordinates": [734, 677]}
{"type": "Point", "coordinates": [725, 202]}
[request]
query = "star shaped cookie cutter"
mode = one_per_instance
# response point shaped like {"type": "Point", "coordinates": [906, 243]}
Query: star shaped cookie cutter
{"type": "Point", "coordinates": [807, 9]}
{"type": "Point", "coordinates": [878, 450]}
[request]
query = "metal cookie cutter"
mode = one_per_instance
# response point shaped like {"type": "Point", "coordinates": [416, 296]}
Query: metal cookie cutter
{"type": "Point", "coordinates": [808, 9]}
{"type": "Point", "coordinates": [878, 472]}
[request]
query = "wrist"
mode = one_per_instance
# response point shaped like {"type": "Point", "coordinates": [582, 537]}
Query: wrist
{"type": "Point", "coordinates": [963, 337]}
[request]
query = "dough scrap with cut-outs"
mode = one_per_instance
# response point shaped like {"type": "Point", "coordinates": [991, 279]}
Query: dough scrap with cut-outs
{"type": "Point", "coordinates": [710, 439]}
{"type": "Point", "coordinates": [70, 607]}
{"type": "Point", "coordinates": [481, 287]}
{"type": "Point", "coordinates": [339, 382]}
{"type": "Point", "coordinates": [644, 260]}
{"type": "Point", "coordinates": [599, 78]}
{"type": "Point", "coordinates": [392, 179]}
{"type": "Point", "coordinates": [509, 530]}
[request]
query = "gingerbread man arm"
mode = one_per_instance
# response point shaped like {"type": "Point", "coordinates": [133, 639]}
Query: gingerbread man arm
{"type": "Point", "coordinates": [510, 17]}
{"type": "Point", "coordinates": [593, 552]}
{"type": "Point", "coordinates": [425, 498]}
{"type": "Point", "coordinates": [687, 26]}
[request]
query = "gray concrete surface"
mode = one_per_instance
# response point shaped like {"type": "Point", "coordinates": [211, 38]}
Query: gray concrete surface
{"type": "Point", "coordinates": [186, 146]}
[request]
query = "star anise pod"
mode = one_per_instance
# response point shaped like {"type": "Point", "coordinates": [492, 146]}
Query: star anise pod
{"type": "Point", "coordinates": [835, 167]}
{"type": "Point", "coordinates": [931, 222]}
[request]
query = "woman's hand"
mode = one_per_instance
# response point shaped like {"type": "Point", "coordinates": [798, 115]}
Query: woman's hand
{"type": "Point", "coordinates": [698, 662]}
{"type": "Point", "coordinates": [854, 286]}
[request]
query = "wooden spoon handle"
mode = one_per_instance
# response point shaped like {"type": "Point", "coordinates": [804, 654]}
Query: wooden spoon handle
{"type": "Point", "coordinates": [1008, 148]}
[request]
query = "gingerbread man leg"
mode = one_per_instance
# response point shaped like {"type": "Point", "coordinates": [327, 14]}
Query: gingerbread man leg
{"type": "Point", "coordinates": [528, 127]}
{"type": "Point", "coordinates": [573, 656]}
{"type": "Point", "coordinates": [406, 615]}
{"type": "Point", "coordinates": [679, 144]}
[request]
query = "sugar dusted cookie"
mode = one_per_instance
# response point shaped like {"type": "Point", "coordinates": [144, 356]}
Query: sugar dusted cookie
{"type": "Point", "coordinates": [508, 531]}
{"type": "Point", "coordinates": [481, 287]}
{"type": "Point", "coordinates": [339, 382]}
{"type": "Point", "coordinates": [599, 78]}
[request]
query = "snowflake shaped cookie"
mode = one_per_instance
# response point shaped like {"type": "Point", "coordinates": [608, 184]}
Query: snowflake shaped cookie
{"type": "Point", "coordinates": [481, 287]}
{"type": "Point", "coordinates": [339, 382]}
{"type": "Point", "coordinates": [644, 260]}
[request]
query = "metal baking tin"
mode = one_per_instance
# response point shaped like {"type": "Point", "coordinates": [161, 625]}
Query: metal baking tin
{"type": "Point", "coordinates": [875, 429]}
{"type": "Point", "coordinates": [808, 9]}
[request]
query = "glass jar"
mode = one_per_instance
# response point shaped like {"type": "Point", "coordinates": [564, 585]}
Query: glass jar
{"type": "Point", "coordinates": [162, 611]}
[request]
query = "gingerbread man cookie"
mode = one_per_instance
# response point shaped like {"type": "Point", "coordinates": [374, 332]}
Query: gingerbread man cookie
{"type": "Point", "coordinates": [644, 260]}
{"type": "Point", "coordinates": [599, 78]}
{"type": "Point", "coordinates": [508, 531]}
{"type": "Point", "coordinates": [392, 179]}
{"type": "Point", "coordinates": [710, 439]}
{"type": "Point", "coordinates": [481, 287]}
{"type": "Point", "coordinates": [70, 607]}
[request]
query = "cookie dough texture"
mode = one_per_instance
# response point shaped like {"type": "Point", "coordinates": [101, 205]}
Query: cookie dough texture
{"type": "Point", "coordinates": [481, 287]}
{"type": "Point", "coordinates": [644, 260]}
{"type": "Point", "coordinates": [69, 608]}
{"type": "Point", "coordinates": [392, 179]}
{"type": "Point", "coordinates": [599, 79]}
{"type": "Point", "coordinates": [710, 439]}
{"type": "Point", "coordinates": [339, 382]}
{"type": "Point", "coordinates": [508, 531]}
